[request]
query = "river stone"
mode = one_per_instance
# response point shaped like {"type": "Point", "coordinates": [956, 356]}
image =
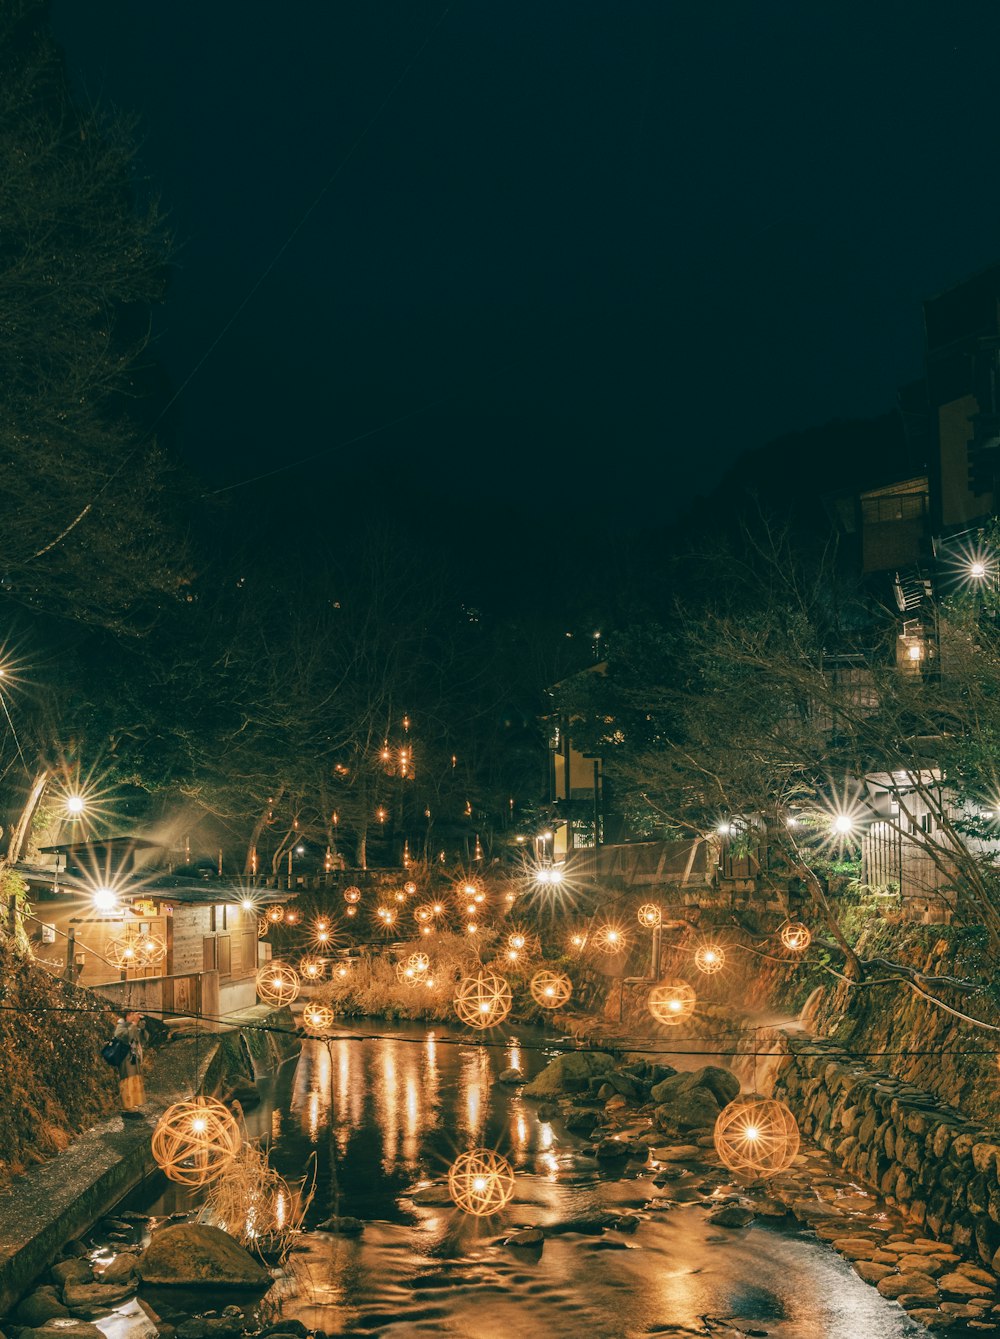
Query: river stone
{"type": "Point", "coordinates": [566, 1071]}
{"type": "Point", "coordinates": [855, 1248]}
{"type": "Point", "coordinates": [195, 1255]}
{"type": "Point", "coordinates": [721, 1083]}
{"type": "Point", "coordinates": [210, 1327]}
{"type": "Point", "coordinates": [432, 1195]}
{"type": "Point", "coordinates": [731, 1215]}
{"type": "Point", "coordinates": [72, 1271]}
{"type": "Point", "coordinates": [345, 1226]}
{"type": "Point", "coordinates": [66, 1329]}
{"type": "Point", "coordinates": [872, 1272]}
{"type": "Point", "coordinates": [913, 1284]}
{"type": "Point", "coordinates": [512, 1076]}
{"type": "Point", "coordinates": [608, 1150]}
{"type": "Point", "coordinates": [676, 1153]}
{"type": "Point", "coordinates": [40, 1306]}
{"type": "Point", "coordinates": [529, 1236]}
{"type": "Point", "coordinates": [91, 1300]}
{"type": "Point", "coordinates": [686, 1110]}
{"type": "Point", "coordinates": [963, 1287]}
{"type": "Point", "coordinates": [120, 1270]}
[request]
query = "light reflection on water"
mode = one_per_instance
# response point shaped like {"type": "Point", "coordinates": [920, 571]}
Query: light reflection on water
{"type": "Point", "coordinates": [383, 1116]}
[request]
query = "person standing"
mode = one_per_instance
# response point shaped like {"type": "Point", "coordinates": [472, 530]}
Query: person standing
{"type": "Point", "coordinates": [130, 1085]}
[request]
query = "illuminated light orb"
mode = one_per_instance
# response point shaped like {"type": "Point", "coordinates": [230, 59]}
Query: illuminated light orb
{"type": "Point", "coordinates": [352, 895]}
{"type": "Point", "coordinates": [342, 972]}
{"type": "Point", "coordinates": [437, 908]}
{"type": "Point", "coordinates": [469, 890]}
{"type": "Point", "coordinates": [263, 925]}
{"type": "Point", "coordinates": [472, 928]}
{"type": "Point", "coordinates": [610, 939]}
{"type": "Point", "coordinates": [405, 975]}
{"type": "Point", "coordinates": [105, 899]}
{"type": "Point", "coordinates": [352, 911]}
{"type": "Point", "coordinates": [418, 961]}
{"type": "Point", "coordinates": [756, 1136]}
{"type": "Point", "coordinates": [483, 1000]}
{"type": "Point", "coordinates": [123, 951]}
{"type": "Point", "coordinates": [481, 1182]}
{"type": "Point", "coordinates": [400, 896]}
{"type": "Point", "coordinates": [277, 983]}
{"type": "Point", "coordinates": [312, 969]}
{"type": "Point", "coordinates": [276, 915]}
{"type": "Point", "coordinates": [671, 1002]}
{"type": "Point", "coordinates": [194, 1142]}
{"type": "Point", "coordinates": [75, 804]}
{"type": "Point", "coordinates": [551, 989]}
{"type": "Point", "coordinates": [710, 958]}
{"type": "Point", "coordinates": [409, 888]}
{"type": "Point", "coordinates": [291, 917]}
{"type": "Point", "coordinates": [796, 936]}
{"type": "Point", "coordinates": [387, 915]}
{"type": "Point", "coordinates": [649, 916]}
{"type": "Point", "coordinates": [425, 930]}
{"type": "Point", "coordinates": [317, 1019]}
{"type": "Point", "coordinates": [423, 914]}
{"type": "Point", "coordinates": [517, 941]}
{"type": "Point", "coordinates": [152, 950]}
{"type": "Point", "coordinates": [322, 936]}
{"type": "Point", "coordinates": [578, 941]}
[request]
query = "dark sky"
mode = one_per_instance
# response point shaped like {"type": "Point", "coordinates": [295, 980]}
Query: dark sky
{"type": "Point", "coordinates": [612, 245]}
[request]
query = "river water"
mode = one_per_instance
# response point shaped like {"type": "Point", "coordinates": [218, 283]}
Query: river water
{"type": "Point", "coordinates": [386, 1115]}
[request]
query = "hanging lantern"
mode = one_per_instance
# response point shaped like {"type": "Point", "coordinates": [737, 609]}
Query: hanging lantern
{"type": "Point", "coordinates": [710, 958]}
{"type": "Point", "coordinates": [577, 941]}
{"type": "Point", "coordinates": [671, 1002]}
{"type": "Point", "coordinates": [399, 896]}
{"type": "Point", "coordinates": [481, 1182]}
{"type": "Point", "coordinates": [277, 983]}
{"type": "Point", "coordinates": [387, 916]}
{"type": "Point", "coordinates": [352, 895]}
{"type": "Point", "coordinates": [406, 975]}
{"type": "Point", "coordinates": [418, 961]}
{"type": "Point", "coordinates": [551, 989]}
{"type": "Point", "coordinates": [795, 936]}
{"type": "Point", "coordinates": [483, 1000]}
{"type": "Point", "coordinates": [123, 951]}
{"type": "Point", "coordinates": [610, 938]}
{"type": "Point", "coordinates": [276, 915]}
{"type": "Point", "coordinates": [263, 925]}
{"type": "Point", "coordinates": [649, 916]}
{"type": "Point", "coordinates": [317, 1019]}
{"type": "Point", "coordinates": [409, 888]}
{"type": "Point", "coordinates": [195, 1141]}
{"type": "Point", "coordinates": [756, 1136]}
{"type": "Point", "coordinates": [312, 969]}
{"type": "Point", "coordinates": [291, 916]}
{"type": "Point", "coordinates": [423, 914]}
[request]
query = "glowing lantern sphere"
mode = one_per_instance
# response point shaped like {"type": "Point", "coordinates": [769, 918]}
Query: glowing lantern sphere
{"type": "Point", "coordinates": [710, 958]}
{"type": "Point", "coordinates": [312, 969]}
{"type": "Point", "coordinates": [610, 939]}
{"type": "Point", "coordinates": [423, 914]}
{"type": "Point", "coordinates": [352, 895]}
{"type": "Point", "coordinates": [483, 1000]}
{"type": "Point", "coordinates": [551, 989]}
{"type": "Point", "coordinates": [796, 936]}
{"type": "Point", "coordinates": [671, 1002]}
{"type": "Point", "coordinates": [756, 1136]}
{"type": "Point", "coordinates": [649, 916]}
{"type": "Point", "coordinates": [517, 941]}
{"type": "Point", "coordinates": [317, 1019]}
{"type": "Point", "coordinates": [276, 915]}
{"type": "Point", "coordinates": [263, 925]}
{"type": "Point", "coordinates": [195, 1141]}
{"type": "Point", "coordinates": [123, 951]}
{"type": "Point", "coordinates": [409, 888]}
{"type": "Point", "coordinates": [405, 975]}
{"type": "Point", "coordinates": [387, 915]}
{"type": "Point", "coordinates": [481, 1182]}
{"type": "Point", "coordinates": [291, 917]}
{"type": "Point", "coordinates": [152, 950]}
{"type": "Point", "coordinates": [277, 983]}
{"type": "Point", "coordinates": [418, 961]}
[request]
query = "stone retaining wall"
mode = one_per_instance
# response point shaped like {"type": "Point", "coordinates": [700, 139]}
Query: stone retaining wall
{"type": "Point", "coordinates": [939, 1168]}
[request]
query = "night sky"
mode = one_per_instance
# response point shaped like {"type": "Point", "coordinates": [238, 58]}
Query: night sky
{"type": "Point", "coordinates": [551, 256]}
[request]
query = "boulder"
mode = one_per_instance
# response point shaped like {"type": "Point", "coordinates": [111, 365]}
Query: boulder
{"type": "Point", "coordinates": [721, 1083]}
{"type": "Point", "coordinates": [512, 1076]}
{"type": "Point", "coordinates": [566, 1072]}
{"type": "Point", "coordinates": [686, 1110]}
{"type": "Point", "coordinates": [610, 1150]}
{"type": "Point", "coordinates": [195, 1255]}
{"type": "Point", "coordinates": [731, 1215]}
{"type": "Point", "coordinates": [529, 1236]}
{"type": "Point", "coordinates": [547, 1112]}
{"type": "Point", "coordinates": [872, 1272]}
{"type": "Point", "coordinates": [67, 1329]}
{"type": "Point", "coordinates": [40, 1306]}
{"type": "Point", "coordinates": [120, 1270]}
{"type": "Point", "coordinates": [210, 1327]}
{"type": "Point", "coordinates": [913, 1285]}
{"type": "Point", "coordinates": [91, 1300]}
{"type": "Point", "coordinates": [74, 1270]}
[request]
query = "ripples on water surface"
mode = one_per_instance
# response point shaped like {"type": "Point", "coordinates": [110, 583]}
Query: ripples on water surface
{"type": "Point", "coordinates": [384, 1115]}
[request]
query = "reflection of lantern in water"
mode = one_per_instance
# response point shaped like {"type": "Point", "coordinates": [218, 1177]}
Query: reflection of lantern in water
{"type": "Point", "coordinates": [312, 969]}
{"type": "Point", "coordinates": [551, 989]}
{"type": "Point", "coordinates": [610, 938]}
{"type": "Point", "coordinates": [671, 1002]}
{"type": "Point", "coordinates": [710, 958]}
{"type": "Point", "coordinates": [483, 1000]}
{"type": "Point", "coordinates": [277, 983]}
{"type": "Point", "coordinates": [352, 895]}
{"type": "Point", "coordinates": [194, 1141]}
{"type": "Point", "coordinates": [481, 1182]}
{"type": "Point", "coordinates": [756, 1136]}
{"type": "Point", "coordinates": [317, 1019]}
{"type": "Point", "coordinates": [796, 936]}
{"type": "Point", "coordinates": [649, 916]}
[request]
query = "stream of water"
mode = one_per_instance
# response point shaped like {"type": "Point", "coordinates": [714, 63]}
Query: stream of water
{"type": "Point", "coordinates": [384, 1116]}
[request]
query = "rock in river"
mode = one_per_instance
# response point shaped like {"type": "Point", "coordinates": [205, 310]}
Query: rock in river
{"type": "Point", "coordinates": [194, 1255]}
{"type": "Point", "coordinates": [565, 1071]}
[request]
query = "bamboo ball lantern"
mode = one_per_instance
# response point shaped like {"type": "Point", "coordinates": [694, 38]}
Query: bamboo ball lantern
{"type": "Point", "coordinates": [517, 941]}
{"type": "Point", "coordinates": [276, 915]}
{"type": "Point", "coordinates": [123, 951]}
{"type": "Point", "coordinates": [418, 961]}
{"type": "Point", "coordinates": [291, 916]}
{"type": "Point", "coordinates": [649, 916]}
{"type": "Point", "coordinates": [263, 925]}
{"type": "Point", "coordinates": [317, 1019]}
{"type": "Point", "coordinates": [481, 1182]}
{"type": "Point", "coordinates": [277, 983]}
{"type": "Point", "coordinates": [153, 950]}
{"type": "Point", "coordinates": [756, 1136]}
{"type": "Point", "coordinates": [409, 888]}
{"type": "Point", "coordinates": [671, 1002]}
{"type": "Point", "coordinates": [483, 1000]}
{"type": "Point", "coordinates": [406, 975]}
{"type": "Point", "coordinates": [423, 914]}
{"type": "Point", "coordinates": [610, 939]}
{"type": "Point", "coordinates": [312, 969]}
{"type": "Point", "coordinates": [710, 958]}
{"type": "Point", "coordinates": [796, 937]}
{"type": "Point", "coordinates": [352, 895]}
{"type": "Point", "coordinates": [386, 916]}
{"type": "Point", "coordinates": [578, 941]}
{"type": "Point", "coordinates": [551, 989]}
{"type": "Point", "coordinates": [194, 1142]}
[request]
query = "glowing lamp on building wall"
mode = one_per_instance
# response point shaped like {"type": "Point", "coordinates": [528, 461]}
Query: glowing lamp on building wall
{"type": "Point", "coordinates": [75, 805]}
{"type": "Point", "coordinates": [105, 899]}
